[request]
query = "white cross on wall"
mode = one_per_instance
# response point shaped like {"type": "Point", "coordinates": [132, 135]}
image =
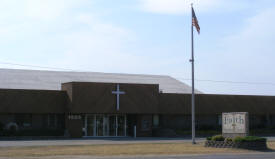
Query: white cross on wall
{"type": "Point", "coordinates": [117, 92]}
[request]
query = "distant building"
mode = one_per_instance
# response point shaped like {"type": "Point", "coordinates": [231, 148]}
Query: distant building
{"type": "Point", "coordinates": [79, 104]}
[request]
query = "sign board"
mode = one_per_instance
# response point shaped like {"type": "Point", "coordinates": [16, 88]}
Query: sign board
{"type": "Point", "coordinates": [235, 124]}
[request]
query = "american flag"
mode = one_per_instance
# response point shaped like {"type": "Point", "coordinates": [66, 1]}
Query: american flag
{"type": "Point", "coordinates": [195, 21]}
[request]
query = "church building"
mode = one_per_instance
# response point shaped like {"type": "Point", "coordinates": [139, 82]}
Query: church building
{"type": "Point", "coordinates": [90, 104]}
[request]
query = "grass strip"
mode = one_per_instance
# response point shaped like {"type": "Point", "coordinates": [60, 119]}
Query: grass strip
{"type": "Point", "coordinates": [118, 149]}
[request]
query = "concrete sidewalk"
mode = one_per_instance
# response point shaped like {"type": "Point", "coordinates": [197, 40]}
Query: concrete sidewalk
{"type": "Point", "coordinates": [94, 141]}
{"type": "Point", "coordinates": [266, 155]}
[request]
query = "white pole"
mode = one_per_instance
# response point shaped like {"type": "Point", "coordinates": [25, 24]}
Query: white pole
{"type": "Point", "coordinates": [135, 131]}
{"type": "Point", "coordinates": [116, 125]}
{"type": "Point", "coordinates": [86, 126]}
{"type": "Point", "coordinates": [95, 125]}
{"type": "Point", "coordinates": [193, 87]}
{"type": "Point", "coordinates": [125, 125]}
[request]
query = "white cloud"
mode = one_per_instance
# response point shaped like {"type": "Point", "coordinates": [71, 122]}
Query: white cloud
{"type": "Point", "coordinates": [54, 33]}
{"type": "Point", "coordinates": [247, 55]}
{"type": "Point", "coordinates": [105, 47]}
{"type": "Point", "coordinates": [99, 45]}
{"type": "Point", "coordinates": [255, 39]}
{"type": "Point", "coordinates": [36, 9]}
{"type": "Point", "coordinates": [183, 6]}
{"type": "Point", "coordinates": [63, 37]}
{"type": "Point", "coordinates": [24, 18]}
{"type": "Point", "coordinates": [45, 9]}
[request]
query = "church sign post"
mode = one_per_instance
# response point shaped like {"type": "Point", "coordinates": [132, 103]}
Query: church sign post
{"type": "Point", "coordinates": [235, 124]}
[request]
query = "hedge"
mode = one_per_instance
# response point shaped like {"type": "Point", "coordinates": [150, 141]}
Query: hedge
{"type": "Point", "coordinates": [249, 139]}
{"type": "Point", "coordinates": [33, 132]}
{"type": "Point", "coordinates": [237, 139]}
{"type": "Point", "coordinates": [248, 142]}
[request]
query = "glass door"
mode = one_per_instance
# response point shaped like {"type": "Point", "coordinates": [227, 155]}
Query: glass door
{"type": "Point", "coordinates": [121, 125]}
{"type": "Point", "coordinates": [99, 125]}
{"type": "Point", "coordinates": [90, 125]}
{"type": "Point", "coordinates": [105, 125]}
{"type": "Point", "coordinates": [112, 127]}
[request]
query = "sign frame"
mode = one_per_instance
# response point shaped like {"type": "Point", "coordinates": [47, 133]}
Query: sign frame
{"type": "Point", "coordinates": [239, 121]}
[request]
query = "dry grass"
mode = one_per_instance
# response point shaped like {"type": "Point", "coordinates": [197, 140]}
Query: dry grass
{"type": "Point", "coordinates": [271, 145]}
{"type": "Point", "coordinates": [118, 149]}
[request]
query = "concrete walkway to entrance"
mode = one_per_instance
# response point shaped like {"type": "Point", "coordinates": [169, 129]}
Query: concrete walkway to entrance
{"type": "Point", "coordinates": [94, 141]}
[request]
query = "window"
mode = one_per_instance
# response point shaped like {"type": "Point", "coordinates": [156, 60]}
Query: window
{"type": "Point", "coordinates": [52, 122]}
{"type": "Point", "coordinates": [155, 120]}
{"type": "Point", "coordinates": [219, 119]}
{"type": "Point", "coordinates": [23, 120]}
{"type": "Point", "coordinates": [56, 121]}
{"type": "Point", "coordinates": [145, 125]}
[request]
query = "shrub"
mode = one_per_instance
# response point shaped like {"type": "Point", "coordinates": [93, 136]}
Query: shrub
{"type": "Point", "coordinates": [40, 132]}
{"type": "Point", "coordinates": [218, 138]}
{"type": "Point", "coordinates": [238, 139]}
{"type": "Point", "coordinates": [209, 138]}
{"type": "Point", "coordinates": [228, 139]}
{"type": "Point", "coordinates": [249, 139]}
{"type": "Point", "coordinates": [33, 132]}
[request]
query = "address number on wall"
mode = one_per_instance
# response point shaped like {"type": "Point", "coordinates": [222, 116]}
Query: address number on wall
{"type": "Point", "coordinates": [74, 117]}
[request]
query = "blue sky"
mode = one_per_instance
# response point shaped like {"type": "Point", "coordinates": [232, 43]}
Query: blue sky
{"type": "Point", "coordinates": [146, 37]}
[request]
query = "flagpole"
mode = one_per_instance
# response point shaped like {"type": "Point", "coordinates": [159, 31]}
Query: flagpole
{"type": "Point", "coordinates": [193, 87]}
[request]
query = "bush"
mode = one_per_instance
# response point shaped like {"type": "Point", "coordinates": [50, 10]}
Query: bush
{"type": "Point", "coordinates": [40, 132]}
{"type": "Point", "coordinates": [218, 138]}
{"type": "Point", "coordinates": [34, 132]}
{"type": "Point", "coordinates": [209, 138]}
{"type": "Point", "coordinates": [249, 139]}
{"type": "Point", "coordinates": [228, 139]}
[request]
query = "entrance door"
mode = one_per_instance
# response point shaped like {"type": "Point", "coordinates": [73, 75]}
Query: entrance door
{"type": "Point", "coordinates": [90, 125]}
{"type": "Point", "coordinates": [112, 127]}
{"type": "Point", "coordinates": [105, 125]}
{"type": "Point", "coordinates": [99, 125]}
{"type": "Point", "coordinates": [121, 127]}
